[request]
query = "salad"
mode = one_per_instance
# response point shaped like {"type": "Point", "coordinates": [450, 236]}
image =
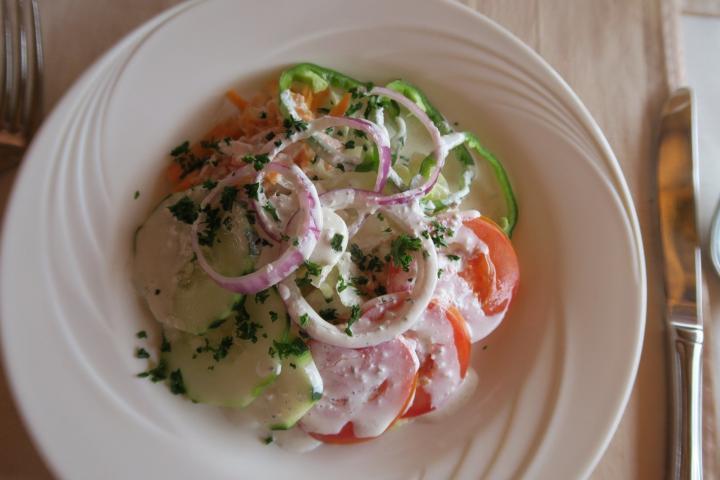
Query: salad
{"type": "Point", "coordinates": [315, 264]}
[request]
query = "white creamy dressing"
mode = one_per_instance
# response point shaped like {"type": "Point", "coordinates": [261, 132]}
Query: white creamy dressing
{"type": "Point", "coordinates": [324, 254]}
{"type": "Point", "coordinates": [295, 440]}
{"type": "Point", "coordinates": [368, 387]}
{"type": "Point", "coordinates": [347, 270]}
{"type": "Point", "coordinates": [461, 396]}
{"type": "Point", "coordinates": [435, 342]}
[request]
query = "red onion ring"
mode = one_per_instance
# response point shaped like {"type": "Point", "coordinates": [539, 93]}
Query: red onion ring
{"type": "Point", "coordinates": [377, 134]}
{"type": "Point", "coordinates": [279, 269]}
{"type": "Point", "coordinates": [441, 147]}
{"type": "Point", "coordinates": [421, 294]}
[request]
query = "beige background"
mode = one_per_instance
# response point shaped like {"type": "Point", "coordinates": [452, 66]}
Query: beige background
{"type": "Point", "coordinates": [611, 52]}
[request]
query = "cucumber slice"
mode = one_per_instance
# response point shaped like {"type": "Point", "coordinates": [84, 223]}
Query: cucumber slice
{"type": "Point", "coordinates": [177, 290]}
{"type": "Point", "coordinates": [230, 365]}
{"type": "Point", "coordinates": [296, 390]}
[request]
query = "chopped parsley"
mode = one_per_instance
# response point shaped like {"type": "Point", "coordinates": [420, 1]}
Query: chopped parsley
{"type": "Point", "coordinates": [380, 290]}
{"type": "Point", "coordinates": [349, 144]}
{"type": "Point", "coordinates": [245, 328]}
{"type": "Point", "coordinates": [141, 353]}
{"type": "Point", "coordinates": [270, 136]}
{"type": "Point", "coordinates": [336, 242]}
{"type": "Point", "coordinates": [212, 222]}
{"type": "Point", "coordinates": [263, 114]}
{"type": "Point", "coordinates": [227, 198]}
{"type": "Point", "coordinates": [177, 385]}
{"type": "Point", "coordinates": [271, 210]}
{"type": "Point", "coordinates": [304, 319]}
{"type": "Point", "coordinates": [136, 194]}
{"type": "Point", "coordinates": [400, 249]}
{"type": "Point", "coordinates": [328, 314]}
{"type": "Point", "coordinates": [261, 296]}
{"type": "Point", "coordinates": [438, 233]}
{"type": "Point", "coordinates": [440, 272]}
{"type": "Point", "coordinates": [312, 268]}
{"type": "Point", "coordinates": [181, 149]}
{"type": "Point", "coordinates": [251, 190]}
{"type": "Point", "coordinates": [341, 285]}
{"type": "Point", "coordinates": [375, 264]}
{"type": "Point", "coordinates": [223, 348]}
{"type": "Point", "coordinates": [292, 126]}
{"type": "Point", "coordinates": [453, 257]}
{"type": "Point", "coordinates": [141, 334]}
{"type": "Point", "coordinates": [354, 316]}
{"type": "Point", "coordinates": [165, 345]}
{"type": "Point", "coordinates": [210, 144]}
{"type": "Point", "coordinates": [286, 348]}
{"type": "Point", "coordinates": [315, 396]}
{"type": "Point", "coordinates": [353, 108]}
{"type": "Point", "coordinates": [273, 316]}
{"type": "Point", "coordinates": [268, 440]}
{"type": "Point", "coordinates": [184, 210]}
{"type": "Point", "coordinates": [357, 256]}
{"type": "Point", "coordinates": [156, 374]}
{"type": "Point", "coordinates": [216, 323]}
{"type": "Point", "coordinates": [257, 161]}
{"type": "Point", "coordinates": [209, 184]}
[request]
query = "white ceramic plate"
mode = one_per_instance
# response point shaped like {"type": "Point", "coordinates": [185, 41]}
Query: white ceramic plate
{"type": "Point", "coordinates": [554, 378]}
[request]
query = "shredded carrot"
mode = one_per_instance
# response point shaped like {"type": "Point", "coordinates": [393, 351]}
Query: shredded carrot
{"type": "Point", "coordinates": [302, 159]}
{"type": "Point", "coordinates": [307, 93]}
{"type": "Point", "coordinates": [236, 99]}
{"type": "Point", "coordinates": [342, 106]}
{"type": "Point", "coordinates": [272, 177]}
{"type": "Point", "coordinates": [319, 99]}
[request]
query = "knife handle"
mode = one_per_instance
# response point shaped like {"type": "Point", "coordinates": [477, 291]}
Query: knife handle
{"type": "Point", "coordinates": [686, 342]}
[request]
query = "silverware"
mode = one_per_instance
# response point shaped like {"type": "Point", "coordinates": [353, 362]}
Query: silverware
{"type": "Point", "coordinates": [21, 81]}
{"type": "Point", "coordinates": [677, 184]}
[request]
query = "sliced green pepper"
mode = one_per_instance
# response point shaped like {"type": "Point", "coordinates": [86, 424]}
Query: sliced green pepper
{"type": "Point", "coordinates": [319, 78]}
{"type": "Point", "coordinates": [421, 100]}
{"type": "Point", "coordinates": [508, 222]}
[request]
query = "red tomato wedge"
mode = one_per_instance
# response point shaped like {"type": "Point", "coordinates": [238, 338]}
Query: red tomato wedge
{"type": "Point", "coordinates": [365, 390]}
{"type": "Point", "coordinates": [443, 348]}
{"type": "Point", "coordinates": [494, 277]}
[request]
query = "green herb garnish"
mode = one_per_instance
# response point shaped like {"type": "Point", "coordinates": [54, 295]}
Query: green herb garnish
{"type": "Point", "coordinates": [184, 210]}
{"type": "Point", "coordinates": [400, 249]}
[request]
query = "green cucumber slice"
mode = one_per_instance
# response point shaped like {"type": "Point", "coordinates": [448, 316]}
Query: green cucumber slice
{"type": "Point", "coordinates": [295, 391]}
{"type": "Point", "coordinates": [177, 290]}
{"type": "Point", "coordinates": [230, 365]}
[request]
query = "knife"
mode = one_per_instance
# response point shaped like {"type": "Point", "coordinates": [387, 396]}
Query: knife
{"type": "Point", "coordinates": [677, 184]}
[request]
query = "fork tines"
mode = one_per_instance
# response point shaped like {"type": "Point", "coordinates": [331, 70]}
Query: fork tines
{"type": "Point", "coordinates": [21, 79]}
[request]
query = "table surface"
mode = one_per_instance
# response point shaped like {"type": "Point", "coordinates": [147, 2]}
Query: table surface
{"type": "Point", "coordinates": [619, 73]}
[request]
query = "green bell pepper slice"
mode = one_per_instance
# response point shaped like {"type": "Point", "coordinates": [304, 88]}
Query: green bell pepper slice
{"type": "Point", "coordinates": [508, 222]}
{"type": "Point", "coordinates": [318, 78]}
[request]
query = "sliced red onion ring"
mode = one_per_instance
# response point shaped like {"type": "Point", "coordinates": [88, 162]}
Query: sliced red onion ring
{"type": "Point", "coordinates": [441, 147]}
{"type": "Point", "coordinates": [378, 135]}
{"type": "Point", "coordinates": [405, 317]}
{"type": "Point", "coordinates": [309, 228]}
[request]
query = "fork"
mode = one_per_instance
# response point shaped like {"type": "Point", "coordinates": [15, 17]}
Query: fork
{"type": "Point", "coordinates": [21, 88]}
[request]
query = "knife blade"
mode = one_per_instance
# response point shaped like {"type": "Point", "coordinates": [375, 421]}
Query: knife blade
{"type": "Point", "coordinates": [677, 184]}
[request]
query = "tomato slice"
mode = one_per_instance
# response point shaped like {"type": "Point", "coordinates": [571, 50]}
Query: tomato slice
{"type": "Point", "coordinates": [443, 347]}
{"type": "Point", "coordinates": [365, 390]}
{"type": "Point", "coordinates": [493, 277]}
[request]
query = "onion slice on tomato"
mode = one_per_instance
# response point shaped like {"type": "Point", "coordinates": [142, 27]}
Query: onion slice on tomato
{"type": "Point", "coordinates": [308, 232]}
